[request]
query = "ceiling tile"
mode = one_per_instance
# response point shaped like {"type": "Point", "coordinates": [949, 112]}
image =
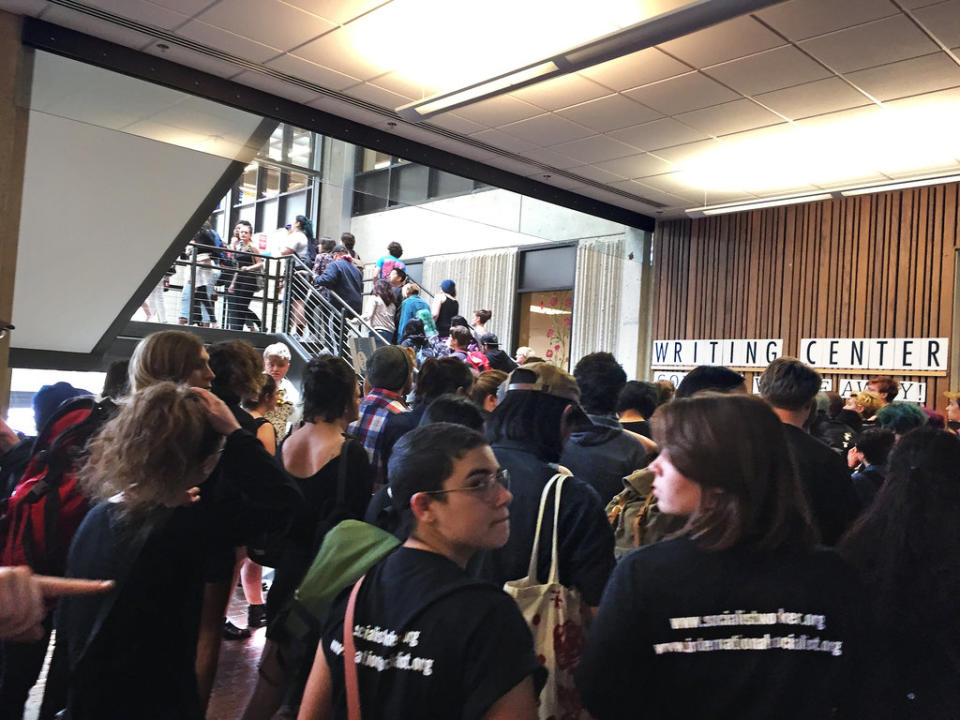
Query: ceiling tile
{"type": "Point", "coordinates": [943, 20]}
{"type": "Point", "coordinates": [636, 166]}
{"type": "Point", "coordinates": [190, 58]}
{"type": "Point", "coordinates": [814, 98]}
{"type": "Point", "coordinates": [499, 111]}
{"type": "Point", "coordinates": [592, 172]}
{"type": "Point", "coordinates": [547, 129]}
{"type": "Point", "coordinates": [402, 86]}
{"type": "Point", "coordinates": [679, 154]}
{"type": "Point", "coordinates": [594, 149]}
{"type": "Point", "coordinates": [455, 123]}
{"type": "Point", "coordinates": [726, 41]}
{"type": "Point", "coordinates": [300, 68]}
{"type": "Point", "coordinates": [853, 182]}
{"type": "Point", "coordinates": [771, 70]}
{"type": "Point", "coordinates": [25, 7]}
{"type": "Point", "coordinates": [551, 158]}
{"type": "Point", "coordinates": [686, 92]}
{"type": "Point", "coordinates": [271, 22]}
{"type": "Point", "coordinates": [669, 183]}
{"type": "Point", "coordinates": [274, 86]}
{"type": "Point", "coordinates": [639, 68]}
{"type": "Point", "coordinates": [144, 12]}
{"type": "Point", "coordinates": [801, 19]}
{"type": "Point", "coordinates": [658, 134]}
{"type": "Point", "coordinates": [501, 140]}
{"type": "Point", "coordinates": [730, 117]}
{"type": "Point", "coordinates": [946, 168]}
{"type": "Point", "coordinates": [609, 113]}
{"type": "Point", "coordinates": [377, 95]}
{"type": "Point", "coordinates": [337, 11]}
{"type": "Point", "coordinates": [909, 77]}
{"type": "Point", "coordinates": [782, 191]}
{"type": "Point", "coordinates": [561, 92]}
{"type": "Point", "coordinates": [914, 4]}
{"type": "Point", "coordinates": [335, 50]}
{"type": "Point", "coordinates": [649, 193]}
{"type": "Point", "coordinates": [227, 42]}
{"type": "Point", "coordinates": [84, 23]}
{"type": "Point", "coordinates": [187, 7]}
{"type": "Point", "coordinates": [875, 43]}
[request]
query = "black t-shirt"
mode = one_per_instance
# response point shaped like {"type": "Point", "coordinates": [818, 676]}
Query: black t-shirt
{"type": "Point", "coordinates": [826, 481]}
{"type": "Point", "coordinates": [640, 427]}
{"type": "Point", "coordinates": [585, 546]}
{"type": "Point", "coordinates": [687, 633]}
{"type": "Point", "coordinates": [432, 642]}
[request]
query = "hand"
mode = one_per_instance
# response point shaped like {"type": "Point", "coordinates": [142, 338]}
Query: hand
{"type": "Point", "coordinates": [218, 414]}
{"type": "Point", "coordinates": [8, 438]}
{"type": "Point", "coordinates": [22, 596]}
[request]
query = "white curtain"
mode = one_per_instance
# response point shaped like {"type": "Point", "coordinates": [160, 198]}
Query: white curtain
{"type": "Point", "coordinates": [486, 280]}
{"type": "Point", "coordinates": [596, 297]}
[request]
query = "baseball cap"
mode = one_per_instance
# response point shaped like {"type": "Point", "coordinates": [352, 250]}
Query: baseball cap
{"type": "Point", "coordinates": [388, 368]}
{"type": "Point", "coordinates": [489, 339]}
{"type": "Point", "coordinates": [549, 379]}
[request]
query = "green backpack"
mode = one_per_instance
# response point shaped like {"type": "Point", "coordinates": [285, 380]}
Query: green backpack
{"type": "Point", "coordinates": [634, 517]}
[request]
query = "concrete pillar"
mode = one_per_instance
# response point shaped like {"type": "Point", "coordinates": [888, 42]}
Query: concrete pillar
{"type": "Point", "coordinates": [633, 345]}
{"type": "Point", "coordinates": [13, 144]}
{"type": "Point", "coordinates": [336, 192]}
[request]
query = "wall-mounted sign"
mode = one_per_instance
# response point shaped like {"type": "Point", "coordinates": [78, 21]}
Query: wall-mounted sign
{"type": "Point", "coordinates": [915, 392]}
{"type": "Point", "coordinates": [826, 384]}
{"type": "Point", "coordinates": [674, 376]}
{"type": "Point", "coordinates": [891, 354]}
{"type": "Point", "coordinates": [733, 353]}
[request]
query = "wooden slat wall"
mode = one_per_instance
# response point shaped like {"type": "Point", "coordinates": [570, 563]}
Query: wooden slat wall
{"type": "Point", "coordinates": [870, 266]}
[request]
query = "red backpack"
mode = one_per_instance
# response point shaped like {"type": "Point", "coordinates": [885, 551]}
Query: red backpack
{"type": "Point", "coordinates": [39, 519]}
{"type": "Point", "coordinates": [477, 360]}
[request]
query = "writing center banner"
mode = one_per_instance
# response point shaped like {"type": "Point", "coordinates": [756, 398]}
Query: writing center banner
{"type": "Point", "coordinates": [735, 353]}
{"type": "Point", "coordinates": [891, 354]}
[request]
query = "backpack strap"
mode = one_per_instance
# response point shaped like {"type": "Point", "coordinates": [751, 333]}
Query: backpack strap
{"type": "Point", "coordinates": [350, 655]}
{"type": "Point", "coordinates": [640, 519]}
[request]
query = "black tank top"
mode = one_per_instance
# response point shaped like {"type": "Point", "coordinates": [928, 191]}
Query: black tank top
{"type": "Point", "coordinates": [448, 309]}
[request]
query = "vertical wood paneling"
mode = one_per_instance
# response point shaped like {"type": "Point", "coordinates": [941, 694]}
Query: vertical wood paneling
{"type": "Point", "coordinates": [870, 266]}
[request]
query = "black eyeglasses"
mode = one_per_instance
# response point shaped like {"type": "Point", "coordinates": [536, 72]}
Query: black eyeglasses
{"type": "Point", "coordinates": [487, 488]}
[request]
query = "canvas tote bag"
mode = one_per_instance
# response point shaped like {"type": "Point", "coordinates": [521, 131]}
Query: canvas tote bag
{"type": "Point", "coordinates": [557, 618]}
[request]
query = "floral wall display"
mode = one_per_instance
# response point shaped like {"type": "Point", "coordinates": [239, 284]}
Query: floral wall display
{"type": "Point", "coordinates": [545, 322]}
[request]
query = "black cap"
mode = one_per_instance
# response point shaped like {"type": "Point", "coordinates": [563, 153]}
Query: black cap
{"type": "Point", "coordinates": [489, 339]}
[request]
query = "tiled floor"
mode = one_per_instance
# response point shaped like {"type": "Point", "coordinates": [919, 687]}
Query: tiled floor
{"type": "Point", "coordinates": [236, 673]}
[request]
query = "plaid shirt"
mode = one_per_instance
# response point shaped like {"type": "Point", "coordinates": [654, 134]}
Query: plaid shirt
{"type": "Point", "coordinates": [374, 409]}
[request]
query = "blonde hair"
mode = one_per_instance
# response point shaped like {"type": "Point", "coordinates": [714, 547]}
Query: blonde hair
{"type": "Point", "coordinates": [410, 289]}
{"type": "Point", "coordinates": [169, 355]}
{"type": "Point", "coordinates": [152, 451]}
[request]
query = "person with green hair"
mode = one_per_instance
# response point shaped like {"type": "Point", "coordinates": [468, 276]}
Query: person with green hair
{"type": "Point", "coordinates": [901, 417]}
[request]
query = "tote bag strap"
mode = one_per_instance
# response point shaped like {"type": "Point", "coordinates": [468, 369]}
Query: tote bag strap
{"type": "Point", "coordinates": [532, 570]}
{"type": "Point", "coordinates": [555, 557]}
{"type": "Point", "coordinates": [350, 656]}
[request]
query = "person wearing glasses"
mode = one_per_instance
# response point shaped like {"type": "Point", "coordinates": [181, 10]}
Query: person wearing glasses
{"type": "Point", "coordinates": [431, 641]}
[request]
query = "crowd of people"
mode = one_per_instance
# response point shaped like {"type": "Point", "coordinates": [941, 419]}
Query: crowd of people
{"type": "Point", "coordinates": [792, 554]}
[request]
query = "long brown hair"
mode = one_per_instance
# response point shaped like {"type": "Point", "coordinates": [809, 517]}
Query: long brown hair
{"type": "Point", "coordinates": [735, 447]}
{"type": "Point", "coordinates": [170, 355]}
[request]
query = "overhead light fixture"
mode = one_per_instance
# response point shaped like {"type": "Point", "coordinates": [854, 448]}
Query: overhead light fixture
{"type": "Point", "coordinates": [760, 204]}
{"type": "Point", "coordinates": [901, 185]}
{"type": "Point", "coordinates": [657, 30]}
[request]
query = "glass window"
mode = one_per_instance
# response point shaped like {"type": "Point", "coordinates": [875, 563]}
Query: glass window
{"type": "Point", "coordinates": [545, 322]}
{"type": "Point", "coordinates": [300, 148]}
{"type": "Point", "coordinates": [268, 215]}
{"type": "Point", "coordinates": [275, 145]}
{"type": "Point", "coordinates": [271, 183]}
{"type": "Point", "coordinates": [374, 160]}
{"type": "Point", "coordinates": [248, 185]}
{"type": "Point", "coordinates": [297, 205]}
{"type": "Point", "coordinates": [294, 181]}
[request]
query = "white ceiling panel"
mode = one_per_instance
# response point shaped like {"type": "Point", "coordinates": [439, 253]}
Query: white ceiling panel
{"type": "Point", "coordinates": [909, 77]}
{"type": "Point", "coordinates": [659, 134]}
{"type": "Point", "coordinates": [499, 111]}
{"type": "Point", "coordinates": [639, 68]}
{"type": "Point", "coordinates": [657, 195]}
{"type": "Point", "coordinates": [679, 154]}
{"type": "Point", "coordinates": [337, 11]}
{"type": "Point", "coordinates": [335, 50]}
{"type": "Point", "coordinates": [726, 41]}
{"type": "Point", "coordinates": [546, 130]}
{"type": "Point", "coordinates": [227, 41]}
{"type": "Point", "coordinates": [766, 71]}
{"type": "Point", "coordinates": [142, 11]}
{"type": "Point", "coordinates": [636, 166]}
{"type": "Point", "coordinates": [680, 94]}
{"type": "Point", "coordinates": [801, 19]}
{"type": "Point", "coordinates": [943, 20]}
{"type": "Point", "coordinates": [670, 184]}
{"type": "Point", "coordinates": [191, 58]}
{"type": "Point", "coordinates": [271, 22]}
{"type": "Point", "coordinates": [395, 82]}
{"type": "Point", "coordinates": [322, 76]}
{"type": "Point", "coordinates": [914, 4]}
{"type": "Point", "coordinates": [609, 113]}
{"type": "Point", "coordinates": [730, 117]}
{"type": "Point", "coordinates": [561, 92]}
{"type": "Point", "coordinates": [592, 172]}
{"type": "Point", "coordinates": [86, 24]}
{"type": "Point", "coordinates": [457, 124]}
{"type": "Point", "coordinates": [876, 43]}
{"type": "Point", "coordinates": [187, 7]}
{"type": "Point", "coordinates": [941, 169]}
{"type": "Point", "coordinates": [274, 86]}
{"type": "Point", "coordinates": [500, 139]}
{"type": "Point", "coordinates": [377, 95]}
{"type": "Point", "coordinates": [816, 98]}
{"type": "Point", "coordinates": [594, 149]}
{"type": "Point", "coordinates": [551, 158]}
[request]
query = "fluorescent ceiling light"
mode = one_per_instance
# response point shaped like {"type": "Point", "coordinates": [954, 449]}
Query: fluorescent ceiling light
{"type": "Point", "coordinates": [683, 20]}
{"type": "Point", "coordinates": [740, 207]}
{"type": "Point", "coordinates": [901, 185]}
